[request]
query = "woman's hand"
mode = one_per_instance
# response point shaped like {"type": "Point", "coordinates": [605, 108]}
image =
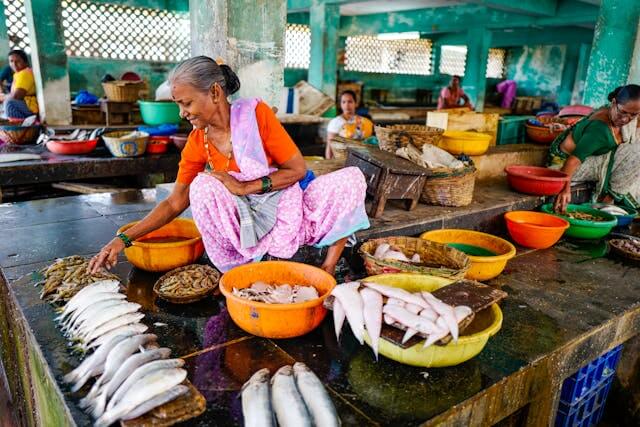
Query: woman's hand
{"type": "Point", "coordinates": [233, 185]}
{"type": "Point", "coordinates": [562, 200]}
{"type": "Point", "coordinates": [107, 257]}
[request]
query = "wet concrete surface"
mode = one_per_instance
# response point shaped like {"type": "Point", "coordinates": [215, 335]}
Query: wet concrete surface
{"type": "Point", "coordinates": [557, 297]}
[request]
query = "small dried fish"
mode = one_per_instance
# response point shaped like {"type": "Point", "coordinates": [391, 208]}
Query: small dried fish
{"type": "Point", "coordinates": [187, 281]}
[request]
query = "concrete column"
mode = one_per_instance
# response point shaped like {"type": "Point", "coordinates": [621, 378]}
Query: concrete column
{"type": "Point", "coordinates": [324, 23]}
{"type": "Point", "coordinates": [613, 46]}
{"type": "Point", "coordinates": [634, 70]}
{"type": "Point", "coordinates": [569, 71]}
{"type": "Point", "coordinates": [475, 75]}
{"type": "Point", "coordinates": [249, 36]}
{"type": "Point", "coordinates": [581, 73]}
{"type": "Point", "coordinates": [49, 60]}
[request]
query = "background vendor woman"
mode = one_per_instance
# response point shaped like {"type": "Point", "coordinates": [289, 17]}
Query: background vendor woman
{"type": "Point", "coordinates": [246, 181]}
{"type": "Point", "coordinates": [451, 96]}
{"type": "Point", "coordinates": [603, 148]}
{"type": "Point", "coordinates": [21, 102]}
{"type": "Point", "coordinates": [348, 124]}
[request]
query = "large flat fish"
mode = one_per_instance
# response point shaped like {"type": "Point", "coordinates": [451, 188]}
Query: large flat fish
{"type": "Point", "coordinates": [256, 401]}
{"type": "Point", "coordinates": [315, 396]}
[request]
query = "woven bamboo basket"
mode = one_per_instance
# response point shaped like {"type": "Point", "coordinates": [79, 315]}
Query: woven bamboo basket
{"type": "Point", "coordinates": [127, 147]}
{"type": "Point", "coordinates": [339, 146]}
{"type": "Point", "coordinates": [19, 135]}
{"type": "Point", "coordinates": [437, 259]}
{"type": "Point", "coordinates": [390, 138]}
{"type": "Point", "coordinates": [122, 90]}
{"type": "Point", "coordinates": [213, 279]}
{"type": "Point", "coordinates": [449, 187]}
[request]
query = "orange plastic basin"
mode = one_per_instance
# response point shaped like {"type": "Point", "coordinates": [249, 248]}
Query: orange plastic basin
{"type": "Point", "coordinates": [166, 256]}
{"type": "Point", "coordinates": [277, 320]}
{"type": "Point", "coordinates": [535, 229]}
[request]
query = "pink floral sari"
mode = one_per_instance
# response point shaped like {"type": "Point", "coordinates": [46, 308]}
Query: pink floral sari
{"type": "Point", "coordinates": [331, 207]}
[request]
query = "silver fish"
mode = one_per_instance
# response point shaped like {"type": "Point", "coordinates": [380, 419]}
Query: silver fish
{"type": "Point", "coordinates": [142, 391]}
{"type": "Point", "coordinates": [141, 372]}
{"type": "Point", "coordinates": [397, 293]}
{"type": "Point", "coordinates": [410, 320]}
{"type": "Point", "coordinates": [372, 302]}
{"type": "Point", "coordinates": [89, 311]}
{"type": "Point", "coordinates": [117, 356]}
{"type": "Point", "coordinates": [444, 310]}
{"type": "Point", "coordinates": [287, 403]}
{"type": "Point", "coordinates": [95, 287]}
{"type": "Point", "coordinates": [164, 397]}
{"type": "Point", "coordinates": [93, 364]}
{"type": "Point", "coordinates": [351, 301]}
{"type": "Point", "coordinates": [123, 372]}
{"type": "Point", "coordinates": [88, 336]}
{"type": "Point", "coordinates": [462, 312]}
{"type": "Point", "coordinates": [256, 402]}
{"type": "Point", "coordinates": [415, 309]}
{"type": "Point", "coordinates": [315, 396]}
{"type": "Point", "coordinates": [73, 305]}
{"type": "Point", "coordinates": [338, 317]}
{"type": "Point", "coordinates": [130, 329]}
{"type": "Point", "coordinates": [105, 316]}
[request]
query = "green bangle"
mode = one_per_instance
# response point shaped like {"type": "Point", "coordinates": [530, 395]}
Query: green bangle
{"type": "Point", "coordinates": [267, 184]}
{"type": "Point", "coordinates": [125, 239]}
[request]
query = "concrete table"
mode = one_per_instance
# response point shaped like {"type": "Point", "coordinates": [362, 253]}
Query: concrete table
{"type": "Point", "coordinates": [564, 309]}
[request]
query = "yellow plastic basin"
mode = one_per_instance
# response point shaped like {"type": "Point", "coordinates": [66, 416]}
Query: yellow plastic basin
{"type": "Point", "coordinates": [482, 267]}
{"type": "Point", "coordinates": [160, 257]}
{"type": "Point", "coordinates": [461, 142]}
{"type": "Point", "coordinates": [486, 324]}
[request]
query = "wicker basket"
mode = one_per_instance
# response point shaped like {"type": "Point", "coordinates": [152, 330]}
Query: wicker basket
{"type": "Point", "coordinates": [390, 138]}
{"type": "Point", "coordinates": [122, 90]}
{"type": "Point", "coordinates": [19, 135]}
{"type": "Point", "coordinates": [449, 187]}
{"type": "Point", "coordinates": [339, 146]}
{"type": "Point", "coordinates": [196, 296]}
{"type": "Point", "coordinates": [126, 147]}
{"type": "Point", "coordinates": [437, 259]}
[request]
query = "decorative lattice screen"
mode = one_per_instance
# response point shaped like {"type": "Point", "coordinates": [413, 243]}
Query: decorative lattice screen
{"type": "Point", "coordinates": [453, 60]}
{"type": "Point", "coordinates": [102, 30]}
{"type": "Point", "coordinates": [496, 63]}
{"type": "Point", "coordinates": [16, 19]}
{"type": "Point", "coordinates": [297, 46]}
{"type": "Point", "coordinates": [372, 55]}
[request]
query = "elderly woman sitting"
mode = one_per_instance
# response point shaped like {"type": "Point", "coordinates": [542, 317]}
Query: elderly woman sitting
{"type": "Point", "coordinates": [246, 181]}
{"type": "Point", "coordinates": [21, 102]}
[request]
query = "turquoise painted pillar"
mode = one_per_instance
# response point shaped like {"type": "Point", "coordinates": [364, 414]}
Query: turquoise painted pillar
{"type": "Point", "coordinates": [581, 74]}
{"type": "Point", "coordinates": [613, 45]}
{"type": "Point", "coordinates": [475, 80]}
{"type": "Point", "coordinates": [49, 60]}
{"type": "Point", "coordinates": [634, 70]}
{"type": "Point", "coordinates": [569, 71]}
{"type": "Point", "coordinates": [249, 36]}
{"type": "Point", "coordinates": [323, 69]}
{"type": "Point", "coordinates": [4, 39]}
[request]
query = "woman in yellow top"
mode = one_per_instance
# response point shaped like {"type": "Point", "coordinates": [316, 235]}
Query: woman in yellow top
{"type": "Point", "coordinates": [21, 102]}
{"type": "Point", "coordinates": [348, 124]}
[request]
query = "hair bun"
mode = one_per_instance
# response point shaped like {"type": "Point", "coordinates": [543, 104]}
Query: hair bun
{"type": "Point", "coordinates": [232, 82]}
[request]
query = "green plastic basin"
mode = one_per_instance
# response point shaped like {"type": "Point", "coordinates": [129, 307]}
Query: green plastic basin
{"type": "Point", "coordinates": [159, 113]}
{"type": "Point", "coordinates": [582, 229]}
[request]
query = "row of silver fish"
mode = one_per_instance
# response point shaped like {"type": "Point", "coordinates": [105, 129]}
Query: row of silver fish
{"type": "Point", "coordinates": [133, 375]}
{"type": "Point", "coordinates": [363, 306]}
{"type": "Point", "coordinates": [296, 398]}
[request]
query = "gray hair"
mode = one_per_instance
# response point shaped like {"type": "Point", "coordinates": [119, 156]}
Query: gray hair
{"type": "Point", "coordinates": [202, 73]}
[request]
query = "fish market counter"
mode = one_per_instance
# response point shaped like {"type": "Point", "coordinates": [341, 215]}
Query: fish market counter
{"type": "Point", "coordinates": [565, 307]}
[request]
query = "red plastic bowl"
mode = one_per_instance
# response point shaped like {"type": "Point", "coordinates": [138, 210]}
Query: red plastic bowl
{"type": "Point", "coordinates": [72, 147]}
{"type": "Point", "coordinates": [157, 147]}
{"type": "Point", "coordinates": [535, 229]}
{"type": "Point", "coordinates": [536, 180]}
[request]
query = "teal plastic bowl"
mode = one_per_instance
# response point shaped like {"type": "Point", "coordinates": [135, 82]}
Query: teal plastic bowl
{"type": "Point", "coordinates": [583, 229]}
{"type": "Point", "coordinates": [159, 113]}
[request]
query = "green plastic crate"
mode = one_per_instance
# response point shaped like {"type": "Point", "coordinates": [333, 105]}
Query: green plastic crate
{"type": "Point", "coordinates": [511, 130]}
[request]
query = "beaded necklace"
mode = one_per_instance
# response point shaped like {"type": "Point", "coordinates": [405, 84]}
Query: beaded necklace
{"type": "Point", "coordinates": [206, 147]}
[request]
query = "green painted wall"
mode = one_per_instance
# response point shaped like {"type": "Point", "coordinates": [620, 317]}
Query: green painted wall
{"type": "Point", "coordinates": [86, 73]}
{"type": "Point", "coordinates": [536, 69]}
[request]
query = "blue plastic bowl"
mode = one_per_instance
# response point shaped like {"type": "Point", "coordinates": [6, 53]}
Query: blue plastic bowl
{"type": "Point", "coordinates": [623, 220]}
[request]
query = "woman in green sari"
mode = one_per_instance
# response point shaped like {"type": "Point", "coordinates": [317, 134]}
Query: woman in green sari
{"type": "Point", "coordinates": [603, 148]}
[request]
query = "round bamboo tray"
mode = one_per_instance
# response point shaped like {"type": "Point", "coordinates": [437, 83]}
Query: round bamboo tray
{"type": "Point", "coordinates": [437, 259]}
{"type": "Point", "coordinates": [390, 138]}
{"type": "Point", "coordinates": [212, 274]}
{"type": "Point", "coordinates": [449, 187]}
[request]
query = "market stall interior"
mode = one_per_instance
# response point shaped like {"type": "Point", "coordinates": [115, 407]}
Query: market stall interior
{"type": "Point", "coordinates": [330, 213]}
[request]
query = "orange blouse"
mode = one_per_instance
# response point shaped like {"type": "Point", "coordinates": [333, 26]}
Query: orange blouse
{"type": "Point", "coordinates": [278, 146]}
